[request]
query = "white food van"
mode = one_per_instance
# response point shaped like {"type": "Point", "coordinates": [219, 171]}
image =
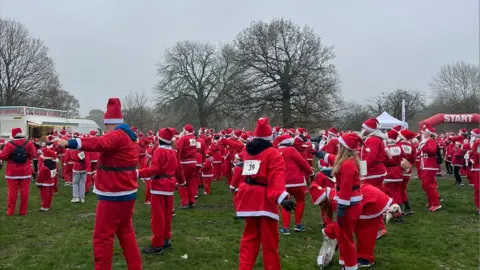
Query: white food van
{"type": "Point", "coordinates": [38, 122]}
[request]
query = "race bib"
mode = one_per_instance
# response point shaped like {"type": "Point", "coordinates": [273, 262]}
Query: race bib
{"type": "Point", "coordinates": [81, 155]}
{"type": "Point", "coordinates": [193, 142]}
{"type": "Point", "coordinates": [396, 151]}
{"type": "Point", "coordinates": [363, 167]}
{"type": "Point", "coordinates": [407, 149]}
{"type": "Point", "coordinates": [199, 145]}
{"type": "Point", "coordinates": [251, 167]}
{"type": "Point", "coordinates": [53, 173]}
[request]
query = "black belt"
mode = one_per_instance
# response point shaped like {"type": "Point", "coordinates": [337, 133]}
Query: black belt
{"type": "Point", "coordinates": [253, 182]}
{"type": "Point", "coordinates": [117, 169]}
{"type": "Point", "coordinates": [353, 188]}
{"type": "Point", "coordinates": [162, 176]}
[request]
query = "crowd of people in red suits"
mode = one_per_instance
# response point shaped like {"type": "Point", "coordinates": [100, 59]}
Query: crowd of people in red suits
{"type": "Point", "coordinates": [362, 176]}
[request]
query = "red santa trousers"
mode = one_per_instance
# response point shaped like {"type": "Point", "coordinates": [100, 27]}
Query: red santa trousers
{"type": "Point", "coordinates": [161, 212]}
{"type": "Point", "coordinates": [67, 173]}
{"type": "Point", "coordinates": [206, 184]}
{"type": "Point", "coordinates": [403, 190]}
{"type": "Point", "coordinates": [366, 233]}
{"type": "Point", "coordinates": [468, 172]}
{"type": "Point", "coordinates": [148, 189]}
{"type": "Point", "coordinates": [14, 186]}
{"type": "Point", "coordinates": [187, 194]}
{"type": "Point", "coordinates": [419, 171]}
{"type": "Point", "coordinates": [429, 185]}
{"type": "Point", "coordinates": [394, 191]}
{"type": "Point", "coordinates": [115, 218]}
{"type": "Point", "coordinates": [264, 231]}
{"type": "Point", "coordinates": [299, 194]}
{"type": "Point", "coordinates": [88, 182]}
{"type": "Point", "coordinates": [46, 195]}
{"type": "Point", "coordinates": [217, 170]}
{"type": "Point", "coordinates": [227, 169]}
{"type": "Point", "coordinates": [55, 184]}
{"type": "Point", "coordinates": [346, 242]}
{"type": "Point", "coordinates": [476, 185]}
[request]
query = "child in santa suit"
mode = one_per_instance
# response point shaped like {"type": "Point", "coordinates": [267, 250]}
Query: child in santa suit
{"type": "Point", "coordinates": [475, 171]}
{"type": "Point", "coordinates": [45, 179]}
{"type": "Point", "coordinates": [145, 164]}
{"type": "Point", "coordinates": [296, 171]}
{"type": "Point", "coordinates": [405, 136]}
{"type": "Point", "coordinates": [258, 198]}
{"type": "Point", "coordinates": [375, 203]}
{"type": "Point", "coordinates": [162, 171]}
{"type": "Point", "coordinates": [393, 179]}
{"type": "Point", "coordinates": [324, 179]}
{"type": "Point", "coordinates": [349, 197]}
{"type": "Point", "coordinates": [458, 160]}
{"type": "Point", "coordinates": [237, 177]}
{"type": "Point", "coordinates": [207, 174]}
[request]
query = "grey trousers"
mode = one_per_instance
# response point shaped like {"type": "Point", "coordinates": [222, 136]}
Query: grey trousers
{"type": "Point", "coordinates": [79, 181]}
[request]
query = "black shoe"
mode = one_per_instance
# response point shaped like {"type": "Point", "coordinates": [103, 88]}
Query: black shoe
{"type": "Point", "coordinates": [362, 263]}
{"type": "Point", "coordinates": [238, 218]}
{"type": "Point", "coordinates": [196, 196]}
{"type": "Point", "coordinates": [153, 250]}
{"type": "Point", "coordinates": [192, 205]}
{"type": "Point", "coordinates": [167, 244]}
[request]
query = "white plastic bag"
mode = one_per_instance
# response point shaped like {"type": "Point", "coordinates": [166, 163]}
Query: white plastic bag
{"type": "Point", "coordinates": [326, 253]}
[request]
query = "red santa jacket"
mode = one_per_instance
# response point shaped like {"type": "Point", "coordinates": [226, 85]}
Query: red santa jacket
{"type": "Point", "coordinates": [187, 149]}
{"type": "Point", "coordinates": [234, 144]}
{"type": "Point", "coordinates": [428, 154]}
{"type": "Point", "coordinates": [18, 171]}
{"type": "Point", "coordinates": [458, 156]}
{"type": "Point", "coordinates": [162, 171]}
{"type": "Point", "coordinates": [216, 150]}
{"type": "Point", "coordinates": [207, 169]}
{"type": "Point", "coordinates": [393, 164]}
{"type": "Point", "coordinates": [81, 159]}
{"type": "Point", "coordinates": [373, 152]}
{"type": "Point", "coordinates": [146, 162]}
{"type": "Point", "coordinates": [46, 177]}
{"type": "Point", "coordinates": [348, 183]}
{"type": "Point", "coordinates": [201, 151]}
{"type": "Point", "coordinates": [331, 147]}
{"type": "Point", "coordinates": [264, 169]}
{"type": "Point", "coordinates": [375, 202]}
{"type": "Point", "coordinates": [116, 177]}
{"type": "Point", "coordinates": [237, 177]}
{"type": "Point", "coordinates": [449, 152]}
{"type": "Point", "coordinates": [324, 181]}
{"type": "Point", "coordinates": [410, 153]}
{"type": "Point", "coordinates": [475, 159]}
{"type": "Point", "coordinates": [296, 167]}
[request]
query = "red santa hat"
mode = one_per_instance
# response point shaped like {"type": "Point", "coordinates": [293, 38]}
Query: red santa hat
{"type": "Point", "coordinates": [76, 135]}
{"type": "Point", "coordinates": [475, 132]}
{"type": "Point", "coordinates": [150, 133]}
{"type": "Point", "coordinates": [17, 133]}
{"type": "Point", "coordinates": [263, 130]}
{"type": "Point", "coordinates": [140, 134]}
{"type": "Point", "coordinates": [188, 129]}
{"type": "Point", "coordinates": [276, 129]}
{"type": "Point", "coordinates": [463, 131]}
{"type": "Point", "coordinates": [49, 154]}
{"type": "Point", "coordinates": [332, 132]}
{"type": "Point", "coordinates": [63, 132]}
{"type": "Point", "coordinates": [292, 131]}
{"type": "Point", "coordinates": [397, 128]}
{"type": "Point", "coordinates": [392, 134]}
{"type": "Point", "coordinates": [165, 135]}
{"type": "Point", "coordinates": [237, 133]}
{"type": "Point", "coordinates": [429, 129]}
{"type": "Point", "coordinates": [350, 140]}
{"type": "Point", "coordinates": [223, 133]}
{"type": "Point", "coordinates": [2, 141]}
{"type": "Point", "coordinates": [371, 124]}
{"type": "Point", "coordinates": [134, 129]}
{"type": "Point", "coordinates": [301, 131]}
{"type": "Point", "coordinates": [229, 131]}
{"type": "Point", "coordinates": [93, 133]}
{"type": "Point", "coordinates": [317, 193]}
{"type": "Point", "coordinates": [285, 139]}
{"type": "Point", "coordinates": [406, 134]}
{"type": "Point", "coordinates": [244, 137]}
{"type": "Point", "coordinates": [113, 114]}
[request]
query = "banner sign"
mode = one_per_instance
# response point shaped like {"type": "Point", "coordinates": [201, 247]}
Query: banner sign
{"type": "Point", "coordinates": [11, 110]}
{"type": "Point", "coordinates": [31, 111]}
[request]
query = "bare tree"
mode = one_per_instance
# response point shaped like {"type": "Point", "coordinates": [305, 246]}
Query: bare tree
{"type": "Point", "coordinates": [352, 115]}
{"type": "Point", "coordinates": [97, 116]}
{"type": "Point", "coordinates": [456, 87]}
{"type": "Point", "coordinates": [392, 103]}
{"type": "Point", "coordinates": [136, 111]}
{"type": "Point", "coordinates": [27, 74]}
{"type": "Point", "coordinates": [287, 66]}
{"type": "Point", "coordinates": [199, 75]}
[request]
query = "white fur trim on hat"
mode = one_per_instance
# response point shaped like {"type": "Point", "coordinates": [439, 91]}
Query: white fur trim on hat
{"type": "Point", "coordinates": [287, 141]}
{"type": "Point", "coordinates": [340, 140]}
{"type": "Point", "coordinates": [113, 121]}
{"type": "Point", "coordinates": [368, 128]}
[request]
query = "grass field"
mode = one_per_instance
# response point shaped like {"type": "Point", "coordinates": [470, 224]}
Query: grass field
{"type": "Point", "coordinates": [61, 238]}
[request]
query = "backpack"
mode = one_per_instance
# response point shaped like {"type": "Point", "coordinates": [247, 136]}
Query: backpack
{"type": "Point", "coordinates": [19, 155]}
{"type": "Point", "coordinates": [439, 156]}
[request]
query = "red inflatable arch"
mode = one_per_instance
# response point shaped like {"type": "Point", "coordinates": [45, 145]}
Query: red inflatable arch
{"type": "Point", "coordinates": [450, 118]}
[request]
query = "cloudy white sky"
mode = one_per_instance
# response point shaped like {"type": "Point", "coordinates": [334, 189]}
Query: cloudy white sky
{"type": "Point", "coordinates": [106, 48]}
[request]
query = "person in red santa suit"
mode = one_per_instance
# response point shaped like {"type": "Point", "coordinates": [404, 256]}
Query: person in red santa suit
{"type": "Point", "coordinates": [258, 198]}
{"type": "Point", "coordinates": [19, 152]}
{"type": "Point", "coordinates": [45, 179]}
{"type": "Point", "coordinates": [115, 186]}
{"type": "Point", "coordinates": [67, 168]}
{"type": "Point", "coordinates": [449, 155]}
{"type": "Point", "coordinates": [237, 178]}
{"type": "Point", "coordinates": [207, 173]}
{"type": "Point", "coordinates": [405, 136]}
{"type": "Point", "coordinates": [296, 171]}
{"type": "Point", "coordinates": [467, 149]}
{"type": "Point", "coordinates": [80, 170]}
{"type": "Point", "coordinates": [145, 164]}
{"type": "Point", "coordinates": [200, 155]}
{"type": "Point", "coordinates": [374, 154]}
{"type": "Point", "coordinates": [475, 171]}
{"type": "Point", "coordinates": [394, 178]}
{"type": "Point", "coordinates": [428, 165]}
{"type": "Point", "coordinates": [93, 166]}
{"type": "Point", "coordinates": [162, 174]}
{"type": "Point", "coordinates": [143, 144]}
{"type": "Point", "coordinates": [458, 159]}
{"type": "Point", "coordinates": [216, 151]}
{"type": "Point", "coordinates": [187, 148]}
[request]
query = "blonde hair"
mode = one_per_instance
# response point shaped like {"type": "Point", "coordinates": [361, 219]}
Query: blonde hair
{"type": "Point", "coordinates": [344, 154]}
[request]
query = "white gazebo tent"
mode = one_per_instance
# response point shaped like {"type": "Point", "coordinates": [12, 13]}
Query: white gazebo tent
{"type": "Point", "coordinates": [387, 121]}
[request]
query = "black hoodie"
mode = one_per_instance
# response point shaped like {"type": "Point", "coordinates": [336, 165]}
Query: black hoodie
{"type": "Point", "coordinates": [256, 146]}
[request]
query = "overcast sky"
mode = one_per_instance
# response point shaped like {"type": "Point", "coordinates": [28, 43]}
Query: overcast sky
{"type": "Point", "coordinates": [106, 48]}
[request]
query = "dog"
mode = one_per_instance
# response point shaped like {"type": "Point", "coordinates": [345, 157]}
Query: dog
{"type": "Point", "coordinates": [394, 211]}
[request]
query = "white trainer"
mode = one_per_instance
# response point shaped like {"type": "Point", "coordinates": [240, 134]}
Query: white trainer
{"type": "Point", "coordinates": [75, 200]}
